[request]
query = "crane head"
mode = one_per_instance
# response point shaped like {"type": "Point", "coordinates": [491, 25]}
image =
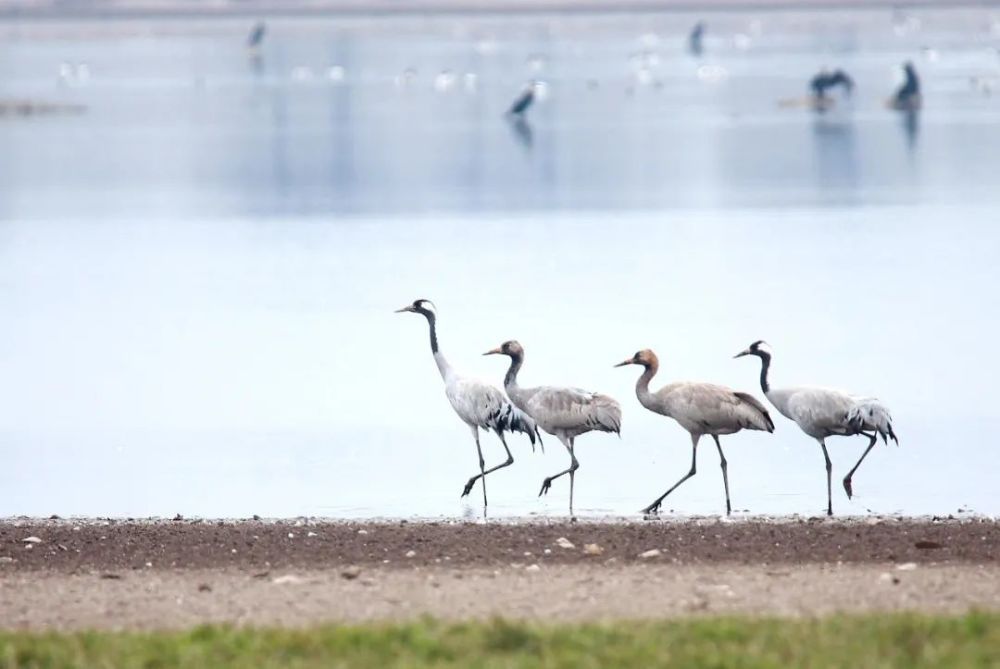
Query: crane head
{"type": "Point", "coordinates": [418, 307]}
{"type": "Point", "coordinates": [510, 348]}
{"type": "Point", "coordinates": [645, 357]}
{"type": "Point", "coordinates": [759, 348]}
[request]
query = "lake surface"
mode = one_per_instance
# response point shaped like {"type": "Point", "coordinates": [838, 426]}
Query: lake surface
{"type": "Point", "coordinates": [198, 272]}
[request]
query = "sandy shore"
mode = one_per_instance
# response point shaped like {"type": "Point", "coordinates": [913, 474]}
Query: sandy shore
{"type": "Point", "coordinates": [82, 574]}
{"type": "Point", "coordinates": [175, 599]}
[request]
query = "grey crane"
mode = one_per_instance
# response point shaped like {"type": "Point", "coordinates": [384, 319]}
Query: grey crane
{"type": "Point", "coordinates": [700, 408]}
{"type": "Point", "coordinates": [480, 405]}
{"type": "Point", "coordinates": [824, 412]}
{"type": "Point", "coordinates": [565, 413]}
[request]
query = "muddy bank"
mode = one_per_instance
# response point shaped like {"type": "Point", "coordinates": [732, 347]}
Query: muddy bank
{"type": "Point", "coordinates": [91, 545]}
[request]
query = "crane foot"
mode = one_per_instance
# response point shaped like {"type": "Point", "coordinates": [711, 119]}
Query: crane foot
{"type": "Point", "coordinates": [546, 484]}
{"type": "Point", "coordinates": [468, 486]}
{"type": "Point", "coordinates": [848, 488]}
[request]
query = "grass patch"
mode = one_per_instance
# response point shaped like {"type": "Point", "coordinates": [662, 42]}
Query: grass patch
{"type": "Point", "coordinates": [896, 640]}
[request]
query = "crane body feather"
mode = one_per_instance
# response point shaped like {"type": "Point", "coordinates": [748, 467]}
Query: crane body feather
{"type": "Point", "coordinates": [569, 410]}
{"type": "Point", "coordinates": [826, 412]}
{"type": "Point", "coordinates": [706, 408]}
{"type": "Point", "coordinates": [481, 404]}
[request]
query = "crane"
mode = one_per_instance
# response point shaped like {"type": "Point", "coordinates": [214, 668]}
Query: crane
{"type": "Point", "coordinates": [824, 412]}
{"type": "Point", "coordinates": [700, 408]}
{"type": "Point", "coordinates": [480, 405]}
{"type": "Point", "coordinates": [565, 413]}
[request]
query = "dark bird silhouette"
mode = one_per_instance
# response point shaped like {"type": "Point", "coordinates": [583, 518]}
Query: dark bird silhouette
{"type": "Point", "coordinates": [523, 101]}
{"type": "Point", "coordinates": [695, 45]}
{"type": "Point", "coordinates": [826, 80]}
{"type": "Point", "coordinates": [256, 35]}
{"type": "Point", "coordinates": [908, 95]}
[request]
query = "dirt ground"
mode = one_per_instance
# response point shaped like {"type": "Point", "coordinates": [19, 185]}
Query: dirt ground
{"type": "Point", "coordinates": [108, 574]}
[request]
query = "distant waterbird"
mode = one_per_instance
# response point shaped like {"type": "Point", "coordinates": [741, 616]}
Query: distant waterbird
{"type": "Point", "coordinates": [907, 96]}
{"type": "Point", "coordinates": [524, 101]}
{"type": "Point", "coordinates": [695, 39]}
{"type": "Point", "coordinates": [565, 413]}
{"type": "Point", "coordinates": [700, 408]}
{"type": "Point", "coordinates": [480, 405]}
{"type": "Point", "coordinates": [256, 36]}
{"type": "Point", "coordinates": [826, 80]}
{"type": "Point", "coordinates": [823, 412]}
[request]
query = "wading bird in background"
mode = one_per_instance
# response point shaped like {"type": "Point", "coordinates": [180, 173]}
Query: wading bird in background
{"type": "Point", "coordinates": [822, 413]}
{"type": "Point", "coordinates": [907, 98]}
{"type": "Point", "coordinates": [695, 45]}
{"type": "Point", "coordinates": [565, 413]}
{"type": "Point", "coordinates": [826, 80]}
{"type": "Point", "coordinates": [480, 405]}
{"type": "Point", "coordinates": [700, 408]}
{"type": "Point", "coordinates": [256, 36]}
{"type": "Point", "coordinates": [527, 97]}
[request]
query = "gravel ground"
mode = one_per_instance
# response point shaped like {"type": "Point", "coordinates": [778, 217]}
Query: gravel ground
{"type": "Point", "coordinates": [70, 546]}
{"type": "Point", "coordinates": [163, 574]}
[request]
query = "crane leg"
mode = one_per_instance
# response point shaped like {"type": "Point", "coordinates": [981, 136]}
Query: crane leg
{"type": "Point", "coordinates": [655, 506]}
{"type": "Point", "coordinates": [829, 487]}
{"type": "Point", "coordinates": [847, 479]}
{"type": "Point", "coordinates": [574, 465]}
{"type": "Point", "coordinates": [725, 474]}
{"type": "Point", "coordinates": [572, 477]}
{"type": "Point", "coordinates": [482, 468]}
{"type": "Point", "coordinates": [506, 463]}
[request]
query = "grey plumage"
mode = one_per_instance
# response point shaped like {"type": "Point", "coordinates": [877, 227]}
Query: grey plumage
{"type": "Point", "coordinates": [480, 405]}
{"type": "Point", "coordinates": [565, 413]}
{"type": "Point", "coordinates": [825, 412]}
{"type": "Point", "coordinates": [700, 408]}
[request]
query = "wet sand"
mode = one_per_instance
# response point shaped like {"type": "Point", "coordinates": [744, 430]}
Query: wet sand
{"type": "Point", "coordinates": [170, 574]}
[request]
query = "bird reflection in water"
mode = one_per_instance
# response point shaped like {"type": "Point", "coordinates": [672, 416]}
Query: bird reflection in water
{"type": "Point", "coordinates": [522, 131]}
{"type": "Point", "coordinates": [911, 127]}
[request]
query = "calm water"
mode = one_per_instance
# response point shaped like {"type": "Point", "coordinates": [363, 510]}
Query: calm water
{"type": "Point", "coordinates": [198, 274]}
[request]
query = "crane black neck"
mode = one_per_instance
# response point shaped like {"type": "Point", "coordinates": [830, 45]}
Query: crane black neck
{"type": "Point", "coordinates": [432, 322]}
{"type": "Point", "coordinates": [765, 365]}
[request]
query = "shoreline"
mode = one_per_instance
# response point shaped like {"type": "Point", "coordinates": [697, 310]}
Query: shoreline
{"type": "Point", "coordinates": [166, 600]}
{"type": "Point", "coordinates": [121, 575]}
{"type": "Point", "coordinates": [73, 546]}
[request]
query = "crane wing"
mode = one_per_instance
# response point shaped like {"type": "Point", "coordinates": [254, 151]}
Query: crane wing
{"type": "Point", "coordinates": [573, 408]}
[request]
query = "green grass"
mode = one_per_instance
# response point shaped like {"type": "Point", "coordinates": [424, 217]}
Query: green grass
{"type": "Point", "coordinates": [905, 640]}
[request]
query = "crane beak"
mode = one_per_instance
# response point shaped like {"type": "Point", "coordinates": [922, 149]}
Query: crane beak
{"type": "Point", "coordinates": [495, 351]}
{"type": "Point", "coordinates": [408, 307]}
{"type": "Point", "coordinates": [625, 362]}
{"type": "Point", "coordinates": [742, 353]}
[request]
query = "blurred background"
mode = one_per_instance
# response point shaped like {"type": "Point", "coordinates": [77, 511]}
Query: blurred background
{"type": "Point", "coordinates": [208, 213]}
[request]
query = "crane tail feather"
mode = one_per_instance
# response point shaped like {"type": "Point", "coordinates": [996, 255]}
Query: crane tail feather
{"type": "Point", "coordinates": [870, 414]}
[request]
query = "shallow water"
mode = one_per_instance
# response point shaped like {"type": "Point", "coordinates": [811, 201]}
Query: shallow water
{"type": "Point", "coordinates": [198, 273]}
